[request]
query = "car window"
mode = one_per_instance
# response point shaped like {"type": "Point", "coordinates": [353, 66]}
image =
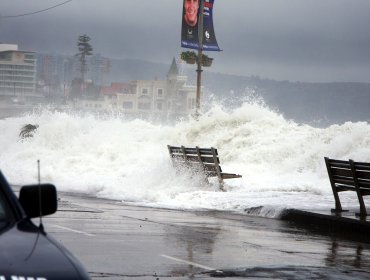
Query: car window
{"type": "Point", "coordinates": [2, 208]}
{"type": "Point", "coordinates": [5, 216]}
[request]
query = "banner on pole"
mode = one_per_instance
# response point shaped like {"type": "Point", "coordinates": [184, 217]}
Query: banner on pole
{"type": "Point", "coordinates": [190, 22]}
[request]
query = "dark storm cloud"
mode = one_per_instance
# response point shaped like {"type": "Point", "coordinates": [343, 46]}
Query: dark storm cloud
{"type": "Point", "coordinates": [282, 39]}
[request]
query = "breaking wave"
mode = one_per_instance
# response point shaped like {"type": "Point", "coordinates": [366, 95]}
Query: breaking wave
{"type": "Point", "coordinates": [281, 161]}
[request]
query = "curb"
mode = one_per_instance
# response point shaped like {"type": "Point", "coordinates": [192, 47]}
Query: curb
{"type": "Point", "coordinates": [347, 227]}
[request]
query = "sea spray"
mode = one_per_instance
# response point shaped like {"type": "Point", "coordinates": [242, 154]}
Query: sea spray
{"type": "Point", "coordinates": [281, 161]}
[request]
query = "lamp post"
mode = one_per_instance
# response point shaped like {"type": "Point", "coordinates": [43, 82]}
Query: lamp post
{"type": "Point", "coordinates": [199, 59]}
{"type": "Point", "coordinates": [64, 80]}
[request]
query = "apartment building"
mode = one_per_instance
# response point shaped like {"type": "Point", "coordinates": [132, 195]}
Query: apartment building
{"type": "Point", "coordinates": [17, 74]}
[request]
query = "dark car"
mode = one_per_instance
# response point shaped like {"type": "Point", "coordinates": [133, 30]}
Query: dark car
{"type": "Point", "coordinates": [27, 252]}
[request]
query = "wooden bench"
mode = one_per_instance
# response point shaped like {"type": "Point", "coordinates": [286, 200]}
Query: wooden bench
{"type": "Point", "coordinates": [204, 159]}
{"type": "Point", "coordinates": [349, 176]}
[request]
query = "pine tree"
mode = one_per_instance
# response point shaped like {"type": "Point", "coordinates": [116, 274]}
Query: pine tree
{"type": "Point", "coordinates": [84, 50]}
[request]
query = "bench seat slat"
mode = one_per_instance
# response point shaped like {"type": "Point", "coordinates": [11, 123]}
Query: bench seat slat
{"type": "Point", "coordinates": [230, 175]}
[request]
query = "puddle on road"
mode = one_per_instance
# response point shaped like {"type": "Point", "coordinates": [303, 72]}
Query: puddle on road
{"type": "Point", "coordinates": [292, 273]}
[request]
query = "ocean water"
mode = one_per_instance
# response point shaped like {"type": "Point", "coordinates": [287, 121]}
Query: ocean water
{"type": "Point", "coordinates": [282, 162]}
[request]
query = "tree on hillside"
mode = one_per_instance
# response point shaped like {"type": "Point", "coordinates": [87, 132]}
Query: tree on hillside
{"type": "Point", "coordinates": [84, 50]}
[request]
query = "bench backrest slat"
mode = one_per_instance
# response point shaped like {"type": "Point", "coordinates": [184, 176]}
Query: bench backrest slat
{"type": "Point", "coordinates": [364, 184]}
{"type": "Point", "coordinates": [206, 158]}
{"type": "Point", "coordinates": [339, 163]}
{"type": "Point", "coordinates": [362, 171]}
{"type": "Point", "coordinates": [211, 168]}
{"type": "Point", "coordinates": [362, 165]}
{"type": "Point", "coordinates": [364, 175]}
{"type": "Point", "coordinates": [343, 181]}
{"type": "Point", "coordinates": [204, 152]}
{"type": "Point", "coordinates": [189, 151]}
{"type": "Point", "coordinates": [173, 149]}
{"type": "Point", "coordinates": [207, 151]}
{"type": "Point", "coordinates": [192, 157]}
{"type": "Point", "coordinates": [339, 172]}
{"type": "Point", "coordinates": [209, 159]}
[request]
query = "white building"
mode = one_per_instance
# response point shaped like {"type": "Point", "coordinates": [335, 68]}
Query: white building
{"type": "Point", "coordinates": [17, 74]}
{"type": "Point", "coordinates": [168, 99]}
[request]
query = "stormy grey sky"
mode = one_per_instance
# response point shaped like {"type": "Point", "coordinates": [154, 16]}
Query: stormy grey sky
{"type": "Point", "coordinates": [297, 40]}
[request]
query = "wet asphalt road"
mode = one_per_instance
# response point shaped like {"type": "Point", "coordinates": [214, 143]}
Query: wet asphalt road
{"type": "Point", "coordinates": [115, 241]}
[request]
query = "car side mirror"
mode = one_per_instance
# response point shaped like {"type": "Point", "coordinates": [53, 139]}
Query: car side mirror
{"type": "Point", "coordinates": [29, 198]}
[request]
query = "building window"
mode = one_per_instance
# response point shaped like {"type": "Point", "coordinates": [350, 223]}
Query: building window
{"type": "Point", "coordinates": [6, 56]}
{"type": "Point", "coordinates": [29, 56]}
{"type": "Point", "coordinates": [144, 106]}
{"type": "Point", "coordinates": [160, 93]}
{"type": "Point", "coordinates": [160, 106]}
{"type": "Point", "coordinates": [144, 91]}
{"type": "Point", "coordinates": [127, 105]}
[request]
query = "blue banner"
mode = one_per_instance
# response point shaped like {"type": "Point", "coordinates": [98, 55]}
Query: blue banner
{"type": "Point", "coordinates": [190, 22]}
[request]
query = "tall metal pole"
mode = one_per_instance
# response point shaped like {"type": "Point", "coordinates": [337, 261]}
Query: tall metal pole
{"type": "Point", "coordinates": [199, 60]}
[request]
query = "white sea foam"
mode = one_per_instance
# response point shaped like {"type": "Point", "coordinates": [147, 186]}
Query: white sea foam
{"type": "Point", "coordinates": [282, 162]}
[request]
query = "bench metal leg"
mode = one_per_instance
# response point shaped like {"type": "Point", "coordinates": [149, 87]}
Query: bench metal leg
{"type": "Point", "coordinates": [338, 205]}
{"type": "Point", "coordinates": [363, 212]}
{"type": "Point", "coordinates": [221, 184]}
{"type": "Point", "coordinates": [358, 190]}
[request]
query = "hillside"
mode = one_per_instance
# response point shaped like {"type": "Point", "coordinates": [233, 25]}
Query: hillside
{"type": "Point", "coordinates": [320, 104]}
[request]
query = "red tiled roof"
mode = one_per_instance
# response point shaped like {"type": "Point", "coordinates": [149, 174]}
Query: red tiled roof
{"type": "Point", "coordinates": [114, 88]}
